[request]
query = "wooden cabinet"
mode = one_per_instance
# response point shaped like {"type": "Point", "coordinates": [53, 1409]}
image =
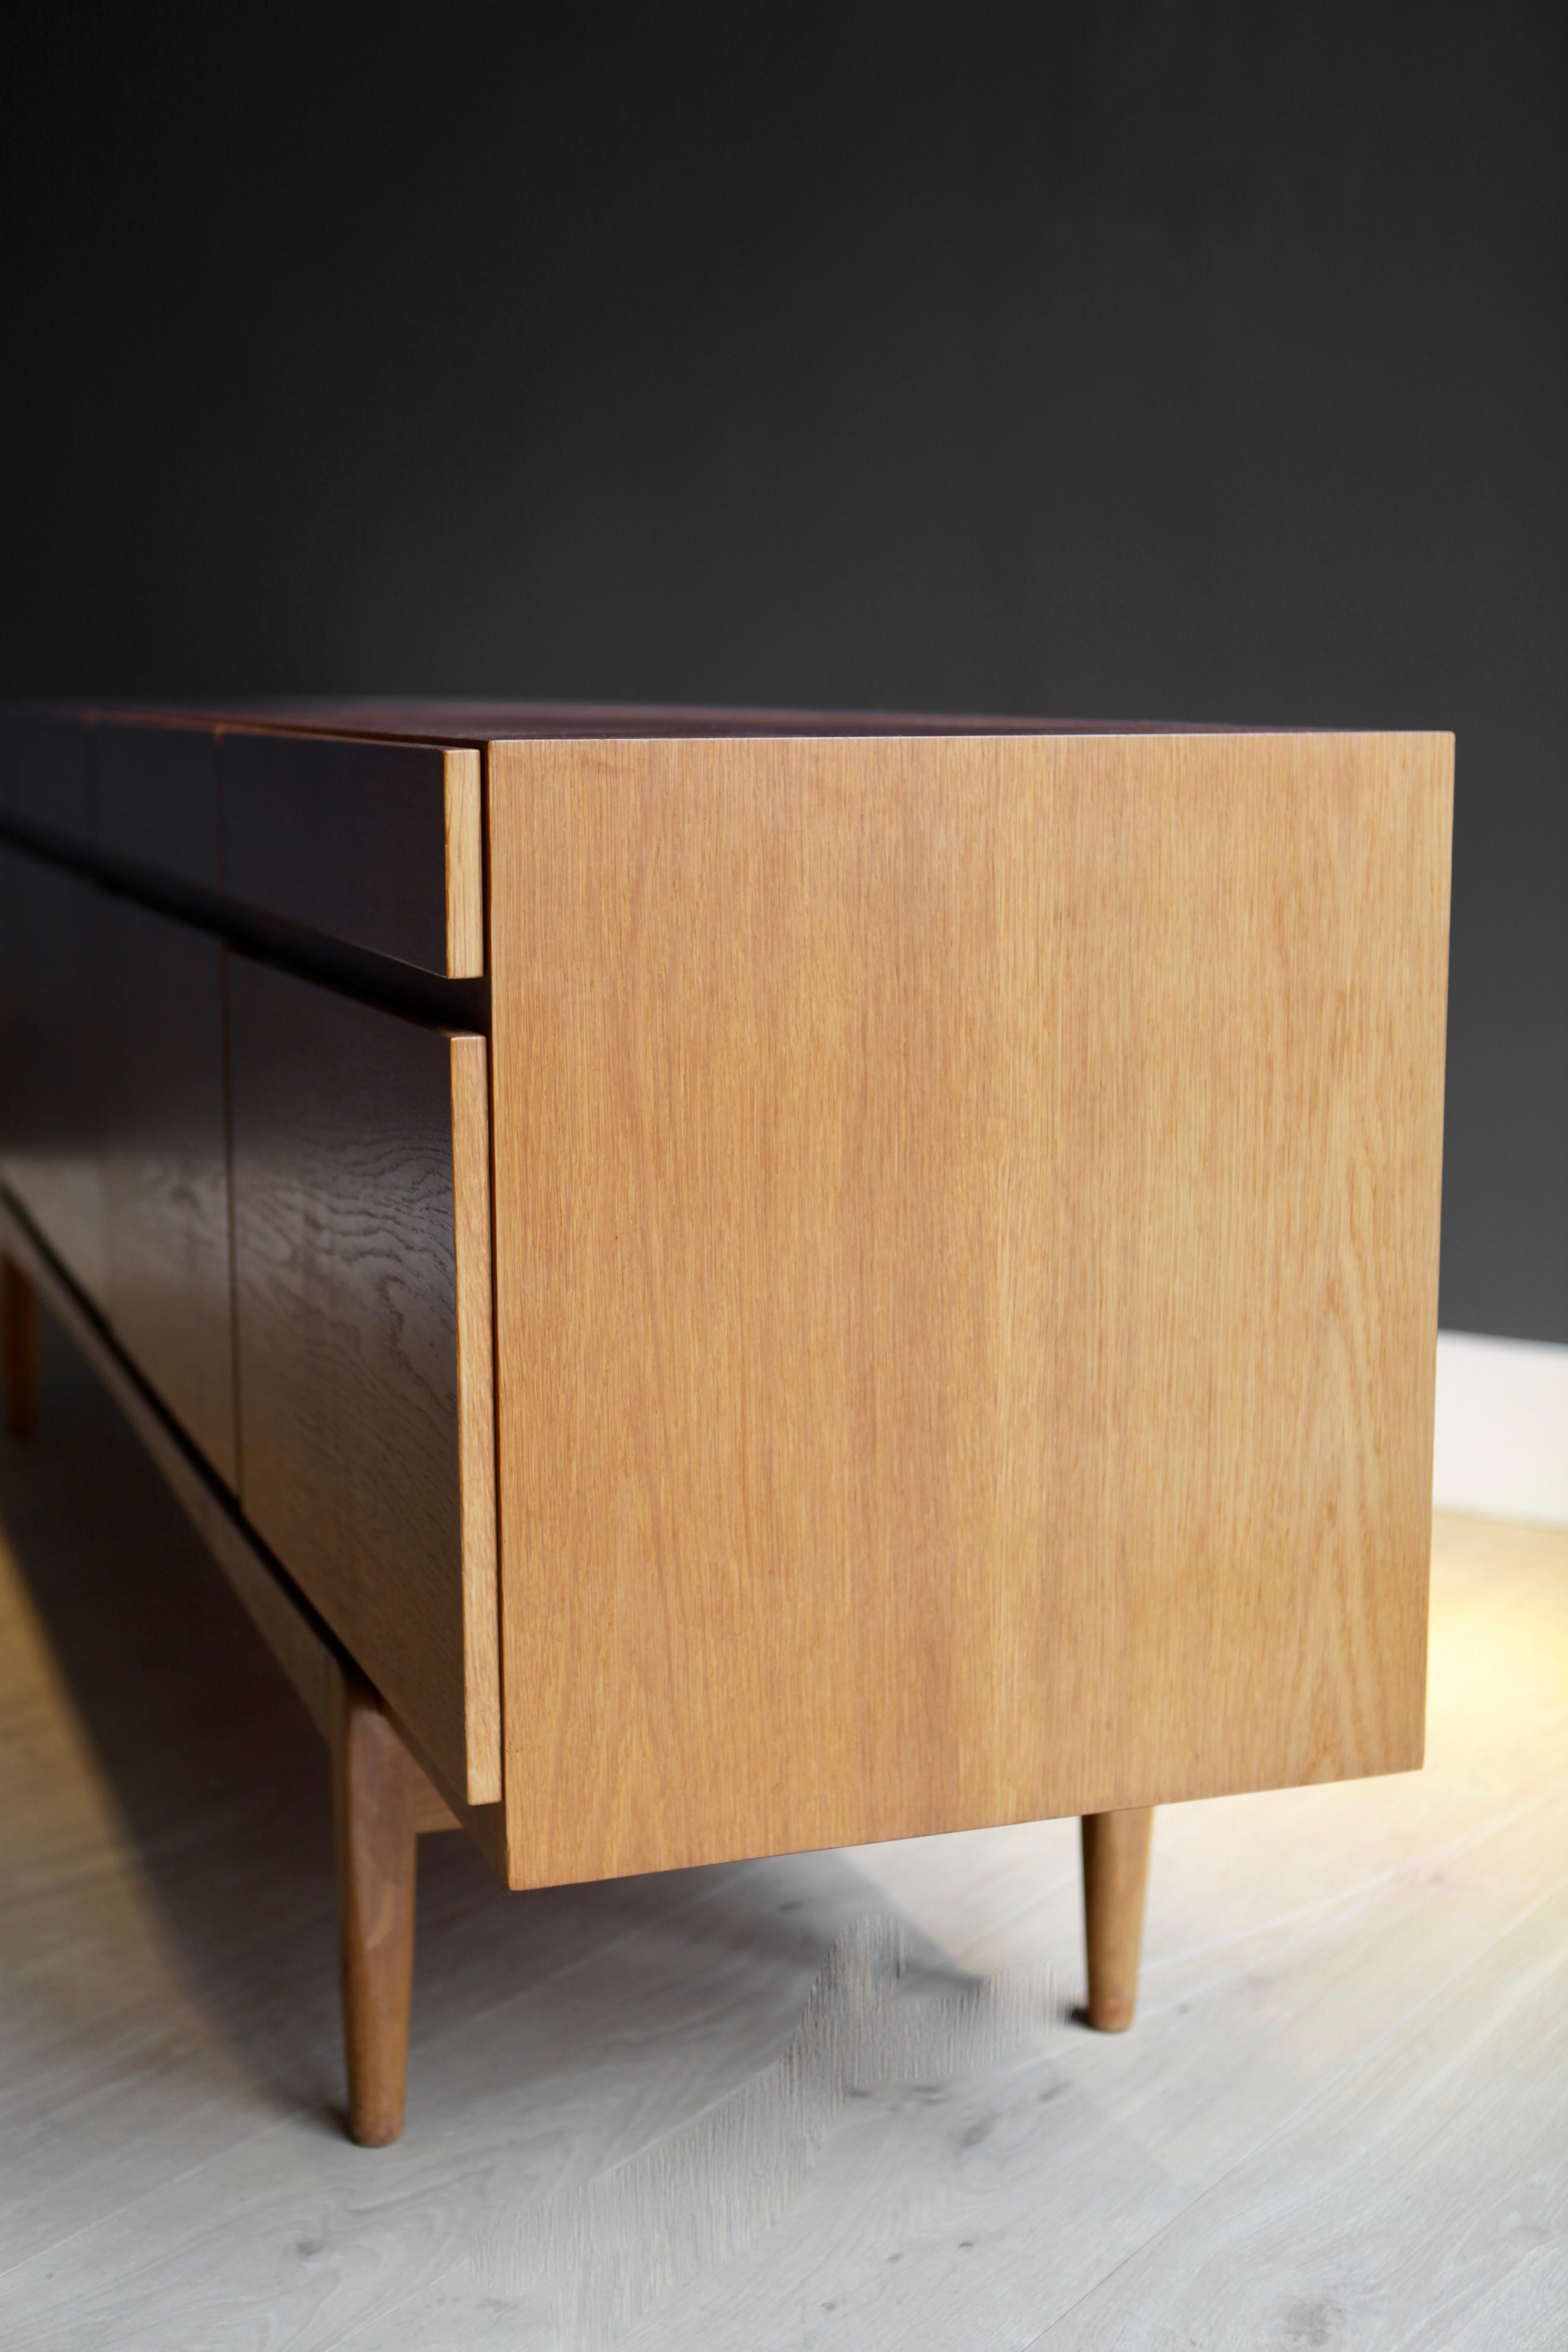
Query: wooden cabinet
{"type": "Point", "coordinates": [165, 1166]}
{"type": "Point", "coordinates": [363, 1303]}
{"type": "Point", "coordinates": [966, 1220]}
{"type": "Point", "coordinates": [893, 1289]}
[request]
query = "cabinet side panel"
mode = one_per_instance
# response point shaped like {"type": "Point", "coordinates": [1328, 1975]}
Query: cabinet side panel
{"type": "Point", "coordinates": [966, 1220]}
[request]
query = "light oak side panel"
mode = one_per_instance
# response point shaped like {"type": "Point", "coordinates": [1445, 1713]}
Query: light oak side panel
{"type": "Point", "coordinates": [966, 1217]}
{"type": "Point", "coordinates": [348, 1236]}
{"type": "Point", "coordinates": [465, 863]}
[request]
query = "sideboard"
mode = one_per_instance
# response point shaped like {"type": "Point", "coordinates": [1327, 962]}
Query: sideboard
{"type": "Point", "coordinates": [723, 1283]}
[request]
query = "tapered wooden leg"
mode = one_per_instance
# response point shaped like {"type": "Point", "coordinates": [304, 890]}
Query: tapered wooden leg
{"type": "Point", "coordinates": [373, 1803]}
{"type": "Point", "coordinates": [19, 1346]}
{"type": "Point", "coordinates": [1115, 1875]}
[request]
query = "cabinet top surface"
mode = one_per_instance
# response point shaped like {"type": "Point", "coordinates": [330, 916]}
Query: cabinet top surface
{"type": "Point", "coordinates": [454, 722]}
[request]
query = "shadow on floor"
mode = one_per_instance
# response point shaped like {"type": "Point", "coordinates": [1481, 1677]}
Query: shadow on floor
{"type": "Point", "coordinates": [218, 1788]}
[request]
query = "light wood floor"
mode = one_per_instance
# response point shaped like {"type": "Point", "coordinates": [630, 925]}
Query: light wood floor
{"type": "Point", "coordinates": [704, 2111]}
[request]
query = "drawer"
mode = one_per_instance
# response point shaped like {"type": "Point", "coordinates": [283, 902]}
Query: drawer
{"type": "Point", "coordinates": [155, 799]}
{"type": "Point", "coordinates": [376, 844]}
{"type": "Point", "coordinates": [362, 1330]}
{"type": "Point", "coordinates": [50, 1112]}
{"type": "Point", "coordinates": [165, 1166]}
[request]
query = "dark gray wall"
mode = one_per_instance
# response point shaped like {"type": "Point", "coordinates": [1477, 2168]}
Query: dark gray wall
{"type": "Point", "coordinates": [1160, 359]}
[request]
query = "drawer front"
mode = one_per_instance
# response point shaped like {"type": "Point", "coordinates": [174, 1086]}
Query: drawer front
{"type": "Point", "coordinates": [165, 1166]}
{"type": "Point", "coordinates": [155, 799]}
{"type": "Point", "coordinates": [363, 1306]}
{"type": "Point", "coordinates": [376, 844]}
{"type": "Point", "coordinates": [50, 1108]}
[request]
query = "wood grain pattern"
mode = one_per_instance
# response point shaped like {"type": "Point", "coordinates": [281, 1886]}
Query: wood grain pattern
{"type": "Point", "coordinates": [347, 1237]}
{"type": "Point", "coordinates": [50, 1112]}
{"type": "Point", "coordinates": [966, 1223]}
{"type": "Point", "coordinates": [432, 1814]}
{"type": "Point", "coordinates": [1115, 1883]}
{"type": "Point", "coordinates": [447, 1807]}
{"type": "Point", "coordinates": [155, 799]}
{"type": "Point", "coordinates": [169, 1292]}
{"type": "Point", "coordinates": [464, 848]}
{"type": "Point", "coordinates": [374, 1835]}
{"type": "Point", "coordinates": [378, 843]}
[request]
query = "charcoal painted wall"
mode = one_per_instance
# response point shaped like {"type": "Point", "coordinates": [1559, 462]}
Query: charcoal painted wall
{"type": "Point", "coordinates": [1133, 360]}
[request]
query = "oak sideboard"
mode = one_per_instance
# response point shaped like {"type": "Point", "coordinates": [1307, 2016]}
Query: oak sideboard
{"type": "Point", "coordinates": [721, 1283]}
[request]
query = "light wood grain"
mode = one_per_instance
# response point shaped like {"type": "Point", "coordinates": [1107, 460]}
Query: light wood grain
{"type": "Point", "coordinates": [432, 1814]}
{"type": "Point", "coordinates": [465, 849]}
{"type": "Point", "coordinates": [966, 1223]}
{"type": "Point", "coordinates": [347, 1236]}
{"type": "Point", "coordinates": [169, 1286]}
{"type": "Point", "coordinates": [1115, 1882]}
{"type": "Point", "coordinates": [374, 1823]}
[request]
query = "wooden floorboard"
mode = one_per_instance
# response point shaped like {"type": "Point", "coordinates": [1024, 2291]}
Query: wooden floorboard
{"type": "Point", "coordinates": [641, 2113]}
{"type": "Point", "coordinates": [1399, 2207]}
